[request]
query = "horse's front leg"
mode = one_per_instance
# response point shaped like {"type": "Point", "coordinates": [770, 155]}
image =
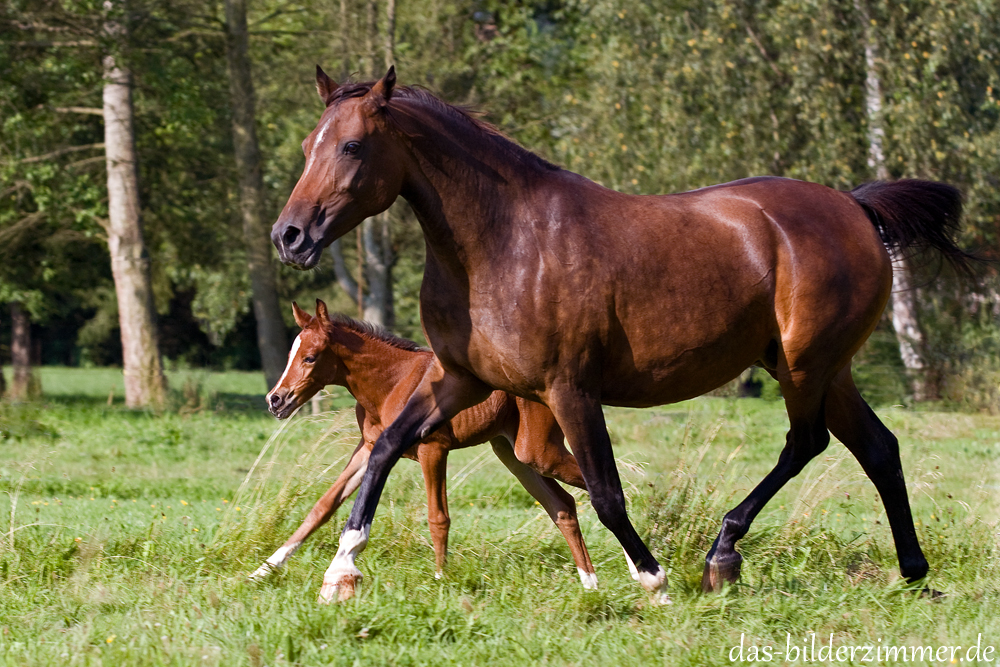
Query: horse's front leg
{"type": "Point", "coordinates": [581, 417]}
{"type": "Point", "coordinates": [321, 512]}
{"type": "Point", "coordinates": [438, 398]}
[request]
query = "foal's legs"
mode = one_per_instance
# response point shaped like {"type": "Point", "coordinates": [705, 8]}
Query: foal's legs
{"type": "Point", "coordinates": [807, 437]}
{"type": "Point", "coordinates": [560, 506]}
{"type": "Point", "coordinates": [877, 450]}
{"type": "Point", "coordinates": [582, 420]}
{"type": "Point", "coordinates": [438, 398]}
{"type": "Point", "coordinates": [433, 457]}
{"type": "Point", "coordinates": [346, 484]}
{"type": "Point", "coordinates": [541, 445]}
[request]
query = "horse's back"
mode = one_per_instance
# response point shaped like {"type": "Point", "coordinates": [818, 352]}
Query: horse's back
{"type": "Point", "coordinates": [702, 282]}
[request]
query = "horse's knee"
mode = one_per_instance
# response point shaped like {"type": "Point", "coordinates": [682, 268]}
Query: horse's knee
{"type": "Point", "coordinates": [610, 508]}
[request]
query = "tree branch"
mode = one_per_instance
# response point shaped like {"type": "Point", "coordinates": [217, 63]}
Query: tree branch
{"type": "Point", "coordinates": [90, 111]}
{"type": "Point", "coordinates": [62, 151]}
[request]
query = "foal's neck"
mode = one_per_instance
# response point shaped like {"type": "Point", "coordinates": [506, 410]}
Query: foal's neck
{"type": "Point", "coordinates": [374, 369]}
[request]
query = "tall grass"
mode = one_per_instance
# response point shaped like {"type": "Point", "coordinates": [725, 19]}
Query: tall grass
{"type": "Point", "coordinates": [121, 543]}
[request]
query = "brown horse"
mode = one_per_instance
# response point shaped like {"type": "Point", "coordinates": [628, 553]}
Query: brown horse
{"type": "Point", "coordinates": [381, 370]}
{"type": "Point", "coordinates": [547, 285]}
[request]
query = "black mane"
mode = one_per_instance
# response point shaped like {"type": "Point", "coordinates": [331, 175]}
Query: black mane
{"type": "Point", "coordinates": [463, 117]}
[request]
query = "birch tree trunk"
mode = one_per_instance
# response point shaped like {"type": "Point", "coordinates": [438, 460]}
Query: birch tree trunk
{"type": "Point", "coordinates": [3, 382]}
{"type": "Point", "coordinates": [25, 385]}
{"type": "Point", "coordinates": [145, 384]}
{"type": "Point", "coordinates": [271, 338]}
{"type": "Point", "coordinates": [905, 319]}
{"type": "Point", "coordinates": [376, 233]}
{"type": "Point", "coordinates": [376, 253]}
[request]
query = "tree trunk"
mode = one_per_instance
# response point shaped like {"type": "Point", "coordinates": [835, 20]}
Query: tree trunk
{"type": "Point", "coordinates": [909, 335]}
{"type": "Point", "coordinates": [145, 384]}
{"type": "Point", "coordinates": [271, 338]}
{"type": "Point", "coordinates": [345, 43]}
{"type": "Point", "coordinates": [25, 385]}
{"type": "Point", "coordinates": [905, 320]}
{"type": "Point", "coordinates": [378, 270]}
{"type": "Point", "coordinates": [3, 382]}
{"type": "Point", "coordinates": [390, 33]}
{"type": "Point", "coordinates": [376, 233]}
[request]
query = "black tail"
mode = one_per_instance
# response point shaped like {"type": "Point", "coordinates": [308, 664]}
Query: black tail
{"type": "Point", "coordinates": [916, 215]}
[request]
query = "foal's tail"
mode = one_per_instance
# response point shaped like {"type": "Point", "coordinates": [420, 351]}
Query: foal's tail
{"type": "Point", "coordinates": [917, 215]}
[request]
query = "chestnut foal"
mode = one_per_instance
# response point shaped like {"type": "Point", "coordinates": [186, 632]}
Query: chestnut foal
{"type": "Point", "coordinates": [381, 371]}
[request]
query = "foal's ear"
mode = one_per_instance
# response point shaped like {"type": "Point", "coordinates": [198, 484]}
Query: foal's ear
{"type": "Point", "coordinates": [382, 90]}
{"type": "Point", "coordinates": [321, 313]}
{"type": "Point", "coordinates": [302, 318]}
{"type": "Point", "coordinates": [325, 86]}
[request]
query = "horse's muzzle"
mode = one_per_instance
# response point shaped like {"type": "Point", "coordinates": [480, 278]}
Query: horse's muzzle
{"type": "Point", "coordinates": [295, 244]}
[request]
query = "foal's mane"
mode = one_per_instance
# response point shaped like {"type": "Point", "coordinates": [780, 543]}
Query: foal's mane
{"type": "Point", "coordinates": [462, 118]}
{"type": "Point", "coordinates": [373, 332]}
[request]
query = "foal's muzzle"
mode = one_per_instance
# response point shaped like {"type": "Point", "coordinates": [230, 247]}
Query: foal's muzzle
{"type": "Point", "coordinates": [281, 404]}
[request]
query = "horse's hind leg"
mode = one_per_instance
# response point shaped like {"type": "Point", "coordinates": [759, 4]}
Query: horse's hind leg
{"type": "Point", "coordinates": [807, 437]}
{"type": "Point", "coordinates": [582, 420]}
{"type": "Point", "coordinates": [854, 423]}
{"type": "Point", "coordinates": [558, 504]}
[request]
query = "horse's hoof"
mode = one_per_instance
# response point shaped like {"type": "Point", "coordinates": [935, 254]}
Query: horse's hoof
{"type": "Point", "coordinates": [718, 573]}
{"type": "Point", "coordinates": [661, 599]}
{"type": "Point", "coordinates": [342, 589]}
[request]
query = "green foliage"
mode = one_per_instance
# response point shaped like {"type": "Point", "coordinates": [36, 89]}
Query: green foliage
{"type": "Point", "coordinates": [645, 97]}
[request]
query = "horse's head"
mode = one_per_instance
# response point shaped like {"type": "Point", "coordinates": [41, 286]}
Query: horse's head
{"type": "Point", "coordinates": [312, 364]}
{"type": "Point", "coordinates": [354, 170]}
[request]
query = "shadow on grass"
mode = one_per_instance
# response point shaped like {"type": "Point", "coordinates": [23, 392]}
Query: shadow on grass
{"type": "Point", "coordinates": [249, 404]}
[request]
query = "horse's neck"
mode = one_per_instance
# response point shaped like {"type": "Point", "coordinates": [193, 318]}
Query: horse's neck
{"type": "Point", "coordinates": [463, 199]}
{"type": "Point", "coordinates": [373, 372]}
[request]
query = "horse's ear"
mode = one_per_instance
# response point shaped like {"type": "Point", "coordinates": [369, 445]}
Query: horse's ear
{"type": "Point", "coordinates": [325, 86]}
{"type": "Point", "coordinates": [382, 90]}
{"type": "Point", "coordinates": [321, 313]}
{"type": "Point", "coordinates": [302, 318]}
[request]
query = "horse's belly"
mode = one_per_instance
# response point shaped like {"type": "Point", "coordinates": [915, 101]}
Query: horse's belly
{"type": "Point", "coordinates": [688, 374]}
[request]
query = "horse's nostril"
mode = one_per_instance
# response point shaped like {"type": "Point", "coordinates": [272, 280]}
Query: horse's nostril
{"type": "Point", "coordinates": [291, 233]}
{"type": "Point", "coordinates": [275, 399]}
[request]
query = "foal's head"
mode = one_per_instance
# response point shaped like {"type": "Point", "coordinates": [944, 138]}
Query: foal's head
{"type": "Point", "coordinates": [354, 170]}
{"type": "Point", "coordinates": [312, 363]}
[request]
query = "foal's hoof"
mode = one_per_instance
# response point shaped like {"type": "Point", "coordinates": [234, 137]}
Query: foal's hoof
{"type": "Point", "coordinates": [262, 572]}
{"type": "Point", "coordinates": [342, 589]}
{"type": "Point", "coordinates": [718, 572]}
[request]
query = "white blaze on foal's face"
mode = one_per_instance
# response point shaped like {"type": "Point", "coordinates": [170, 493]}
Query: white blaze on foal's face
{"type": "Point", "coordinates": [291, 360]}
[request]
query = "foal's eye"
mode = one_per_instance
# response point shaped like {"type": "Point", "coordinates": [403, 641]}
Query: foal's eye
{"type": "Point", "coordinates": [351, 148]}
{"type": "Point", "coordinates": [310, 359]}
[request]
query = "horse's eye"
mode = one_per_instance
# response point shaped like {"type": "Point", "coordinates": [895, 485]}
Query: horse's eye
{"type": "Point", "coordinates": [310, 359]}
{"type": "Point", "coordinates": [351, 148]}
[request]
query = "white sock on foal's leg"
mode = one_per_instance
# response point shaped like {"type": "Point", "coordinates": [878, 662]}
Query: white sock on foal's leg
{"type": "Point", "coordinates": [276, 561]}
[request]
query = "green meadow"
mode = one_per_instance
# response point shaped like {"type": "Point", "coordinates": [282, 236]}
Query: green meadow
{"type": "Point", "coordinates": [126, 538]}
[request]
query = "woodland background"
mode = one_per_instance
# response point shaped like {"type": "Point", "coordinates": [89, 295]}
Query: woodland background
{"type": "Point", "coordinates": [641, 96]}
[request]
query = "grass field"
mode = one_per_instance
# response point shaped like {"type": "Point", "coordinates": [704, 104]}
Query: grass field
{"type": "Point", "coordinates": [127, 536]}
